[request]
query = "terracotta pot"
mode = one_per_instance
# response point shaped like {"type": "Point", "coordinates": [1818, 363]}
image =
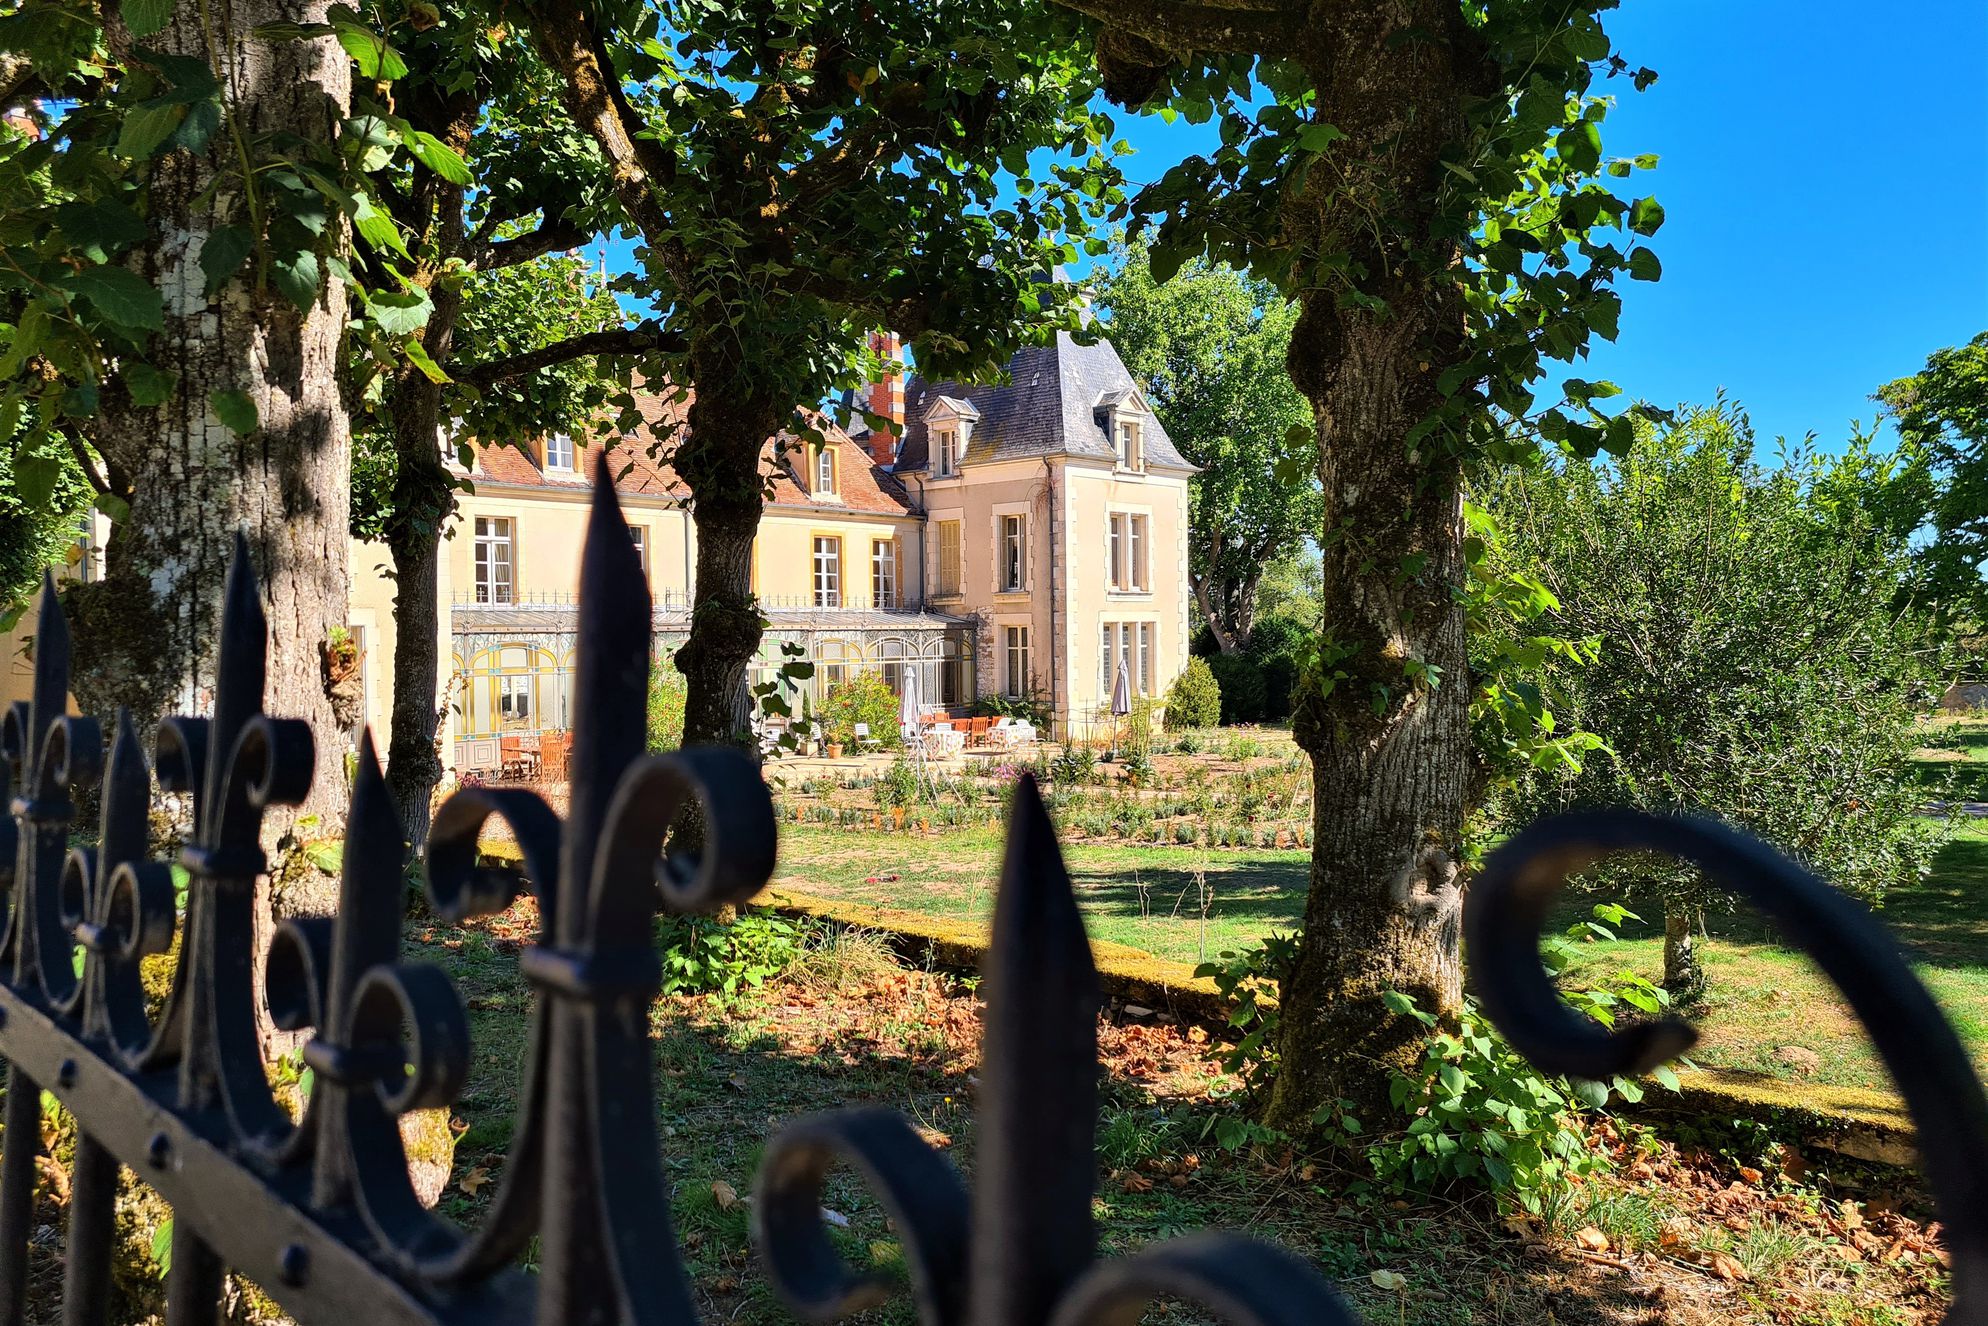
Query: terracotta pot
{"type": "Point", "coordinates": [897, 816]}
{"type": "Point", "coordinates": [834, 750]}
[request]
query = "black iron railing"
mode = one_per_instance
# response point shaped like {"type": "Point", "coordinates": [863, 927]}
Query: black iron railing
{"type": "Point", "coordinates": [320, 1210]}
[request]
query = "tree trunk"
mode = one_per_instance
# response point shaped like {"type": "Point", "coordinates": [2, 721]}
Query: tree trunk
{"type": "Point", "coordinates": [1385, 717]}
{"type": "Point", "coordinates": [1206, 595]}
{"type": "Point", "coordinates": [1684, 974]}
{"type": "Point", "coordinates": [719, 462]}
{"type": "Point", "coordinates": [422, 503]}
{"type": "Point", "coordinates": [147, 632]}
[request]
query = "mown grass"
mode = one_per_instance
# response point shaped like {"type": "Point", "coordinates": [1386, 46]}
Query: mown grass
{"type": "Point", "coordinates": [1179, 903]}
{"type": "Point", "coordinates": [1768, 1009]}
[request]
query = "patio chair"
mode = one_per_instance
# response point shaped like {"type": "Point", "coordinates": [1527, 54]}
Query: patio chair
{"type": "Point", "coordinates": [977, 730]}
{"type": "Point", "coordinates": [864, 741]}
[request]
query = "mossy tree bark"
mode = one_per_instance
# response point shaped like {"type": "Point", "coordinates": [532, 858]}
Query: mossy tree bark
{"type": "Point", "coordinates": [1385, 719]}
{"type": "Point", "coordinates": [147, 633]}
{"type": "Point", "coordinates": [719, 461]}
{"type": "Point", "coordinates": [1684, 970]}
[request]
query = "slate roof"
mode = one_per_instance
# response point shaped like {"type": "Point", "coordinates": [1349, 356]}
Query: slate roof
{"type": "Point", "coordinates": [863, 485]}
{"type": "Point", "coordinates": [1047, 408]}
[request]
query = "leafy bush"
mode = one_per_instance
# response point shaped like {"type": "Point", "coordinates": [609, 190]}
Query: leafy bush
{"type": "Point", "coordinates": [1245, 978]}
{"type": "Point", "coordinates": [1275, 646]}
{"type": "Point", "coordinates": [1074, 767]}
{"type": "Point", "coordinates": [667, 692]}
{"type": "Point", "coordinates": [1241, 682]}
{"type": "Point", "coordinates": [1478, 1110]}
{"type": "Point", "coordinates": [899, 784]}
{"type": "Point", "coordinates": [863, 698]}
{"type": "Point", "coordinates": [1033, 708]}
{"type": "Point", "coordinates": [1189, 742]}
{"type": "Point", "coordinates": [1195, 698]}
{"type": "Point", "coordinates": [707, 955]}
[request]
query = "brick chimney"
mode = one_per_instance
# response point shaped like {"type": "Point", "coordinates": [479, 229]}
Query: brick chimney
{"type": "Point", "coordinates": [887, 398]}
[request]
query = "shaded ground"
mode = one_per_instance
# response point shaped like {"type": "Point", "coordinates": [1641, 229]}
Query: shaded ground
{"type": "Point", "coordinates": [1708, 1233]}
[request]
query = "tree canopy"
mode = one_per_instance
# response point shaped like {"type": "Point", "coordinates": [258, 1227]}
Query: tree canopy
{"type": "Point", "coordinates": [1751, 656]}
{"type": "Point", "coordinates": [1942, 415]}
{"type": "Point", "coordinates": [1209, 347]}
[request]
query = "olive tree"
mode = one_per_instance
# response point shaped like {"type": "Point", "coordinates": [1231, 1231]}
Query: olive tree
{"type": "Point", "coordinates": [1755, 657]}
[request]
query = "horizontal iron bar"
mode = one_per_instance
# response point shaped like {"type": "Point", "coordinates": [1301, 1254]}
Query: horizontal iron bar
{"type": "Point", "coordinates": [255, 1223]}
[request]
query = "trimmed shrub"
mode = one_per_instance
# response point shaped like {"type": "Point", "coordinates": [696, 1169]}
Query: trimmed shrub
{"type": "Point", "coordinates": [667, 692]}
{"type": "Point", "coordinates": [864, 698]}
{"type": "Point", "coordinates": [1240, 678]}
{"type": "Point", "coordinates": [1195, 698]}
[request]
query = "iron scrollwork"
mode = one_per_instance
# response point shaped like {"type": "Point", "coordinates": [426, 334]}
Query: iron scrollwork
{"type": "Point", "coordinates": [320, 1210]}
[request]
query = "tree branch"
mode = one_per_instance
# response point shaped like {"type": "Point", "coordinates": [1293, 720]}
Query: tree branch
{"type": "Point", "coordinates": [592, 92]}
{"type": "Point", "coordinates": [1246, 27]}
{"type": "Point", "coordinates": [549, 237]}
{"type": "Point", "coordinates": [613, 341]}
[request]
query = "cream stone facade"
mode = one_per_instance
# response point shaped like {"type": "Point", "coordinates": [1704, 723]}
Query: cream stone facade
{"type": "Point", "coordinates": [1016, 540]}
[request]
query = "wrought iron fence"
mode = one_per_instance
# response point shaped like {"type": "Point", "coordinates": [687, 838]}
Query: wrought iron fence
{"type": "Point", "coordinates": [320, 1211]}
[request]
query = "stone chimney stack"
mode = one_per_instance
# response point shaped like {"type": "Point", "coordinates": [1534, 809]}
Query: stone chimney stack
{"type": "Point", "coordinates": [887, 398]}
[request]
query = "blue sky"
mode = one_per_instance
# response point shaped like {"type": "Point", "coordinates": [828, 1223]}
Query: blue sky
{"type": "Point", "coordinates": [1824, 176]}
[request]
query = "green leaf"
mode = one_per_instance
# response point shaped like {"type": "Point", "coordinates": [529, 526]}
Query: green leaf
{"type": "Point", "coordinates": [376, 227]}
{"type": "Point", "coordinates": [222, 255]}
{"type": "Point", "coordinates": [236, 411]}
{"type": "Point", "coordinates": [1643, 265]}
{"type": "Point", "coordinates": [1646, 216]}
{"type": "Point", "coordinates": [1318, 137]}
{"type": "Point", "coordinates": [297, 275]}
{"type": "Point", "coordinates": [121, 295]}
{"type": "Point", "coordinates": [162, 1246]}
{"type": "Point", "coordinates": [371, 53]}
{"type": "Point", "coordinates": [145, 17]}
{"type": "Point", "coordinates": [417, 354]}
{"type": "Point", "coordinates": [146, 128]}
{"type": "Point", "coordinates": [103, 228]}
{"type": "Point", "coordinates": [400, 313]}
{"type": "Point", "coordinates": [148, 386]}
{"type": "Point", "coordinates": [202, 119]}
{"type": "Point", "coordinates": [439, 157]}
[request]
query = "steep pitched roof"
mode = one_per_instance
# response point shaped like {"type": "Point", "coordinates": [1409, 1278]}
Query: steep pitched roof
{"type": "Point", "coordinates": [1048, 407]}
{"type": "Point", "coordinates": [862, 485]}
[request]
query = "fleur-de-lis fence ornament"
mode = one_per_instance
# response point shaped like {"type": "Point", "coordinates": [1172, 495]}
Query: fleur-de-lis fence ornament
{"type": "Point", "coordinates": [319, 1209]}
{"type": "Point", "coordinates": [1507, 912]}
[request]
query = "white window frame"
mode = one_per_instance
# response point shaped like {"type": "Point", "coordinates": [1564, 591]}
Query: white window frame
{"type": "Point", "coordinates": [1011, 537]}
{"type": "Point", "coordinates": [883, 573]}
{"type": "Point", "coordinates": [825, 471]}
{"type": "Point", "coordinates": [1017, 656]}
{"type": "Point", "coordinates": [514, 698]}
{"type": "Point", "coordinates": [639, 536]}
{"type": "Point", "coordinates": [560, 453]}
{"type": "Point", "coordinates": [945, 446]}
{"type": "Point", "coordinates": [828, 570]}
{"type": "Point", "coordinates": [1128, 552]}
{"type": "Point", "coordinates": [494, 559]}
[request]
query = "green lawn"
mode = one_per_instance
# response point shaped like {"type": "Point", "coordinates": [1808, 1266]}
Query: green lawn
{"type": "Point", "coordinates": [1767, 1004]}
{"type": "Point", "coordinates": [1180, 903]}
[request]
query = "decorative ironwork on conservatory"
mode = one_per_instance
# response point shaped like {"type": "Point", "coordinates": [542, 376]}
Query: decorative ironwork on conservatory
{"type": "Point", "coordinates": [320, 1210]}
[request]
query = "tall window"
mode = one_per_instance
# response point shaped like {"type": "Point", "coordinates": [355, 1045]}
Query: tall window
{"type": "Point", "coordinates": [493, 560]}
{"type": "Point", "coordinates": [946, 445]}
{"type": "Point", "coordinates": [949, 558]}
{"type": "Point", "coordinates": [514, 698]}
{"type": "Point", "coordinates": [825, 471]}
{"type": "Point", "coordinates": [559, 452]}
{"type": "Point", "coordinates": [1015, 641]}
{"type": "Point", "coordinates": [1014, 554]}
{"type": "Point", "coordinates": [828, 573]}
{"type": "Point", "coordinates": [1127, 557]}
{"type": "Point", "coordinates": [1130, 644]}
{"type": "Point", "coordinates": [639, 536]}
{"type": "Point", "coordinates": [883, 573]}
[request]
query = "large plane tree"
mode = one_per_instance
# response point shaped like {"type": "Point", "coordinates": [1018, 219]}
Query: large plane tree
{"type": "Point", "coordinates": [804, 173]}
{"type": "Point", "coordinates": [1425, 179]}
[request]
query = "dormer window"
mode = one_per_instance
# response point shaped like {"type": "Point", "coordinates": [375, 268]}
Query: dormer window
{"type": "Point", "coordinates": [559, 453]}
{"type": "Point", "coordinates": [825, 470]}
{"type": "Point", "coordinates": [1130, 455]}
{"type": "Point", "coordinates": [950, 423]}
